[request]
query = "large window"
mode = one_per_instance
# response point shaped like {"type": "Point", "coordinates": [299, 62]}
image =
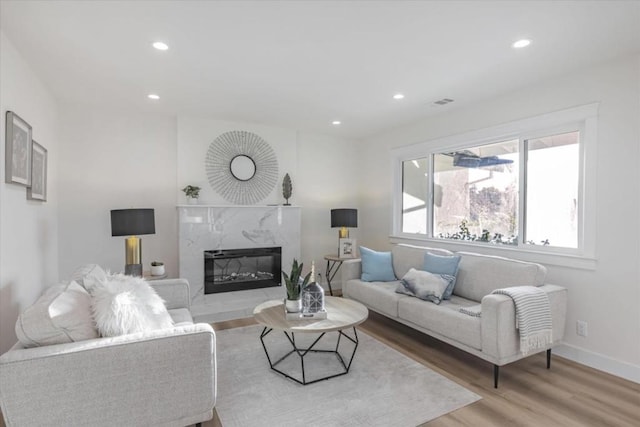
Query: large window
{"type": "Point", "coordinates": [525, 190]}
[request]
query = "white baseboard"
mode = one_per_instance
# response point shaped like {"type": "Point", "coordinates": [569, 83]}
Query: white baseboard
{"type": "Point", "coordinates": [600, 362]}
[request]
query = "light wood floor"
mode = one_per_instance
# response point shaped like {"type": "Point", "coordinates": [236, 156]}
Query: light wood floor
{"type": "Point", "coordinates": [568, 394]}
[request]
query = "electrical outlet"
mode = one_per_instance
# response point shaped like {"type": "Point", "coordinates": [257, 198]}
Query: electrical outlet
{"type": "Point", "coordinates": [581, 328]}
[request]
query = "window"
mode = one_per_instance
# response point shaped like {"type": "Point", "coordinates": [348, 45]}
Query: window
{"type": "Point", "coordinates": [478, 193]}
{"type": "Point", "coordinates": [525, 190]}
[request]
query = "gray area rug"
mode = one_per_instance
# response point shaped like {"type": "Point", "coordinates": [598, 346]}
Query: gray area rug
{"type": "Point", "coordinates": [382, 388]}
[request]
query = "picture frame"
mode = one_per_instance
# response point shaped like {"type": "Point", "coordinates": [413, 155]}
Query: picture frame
{"type": "Point", "coordinates": [18, 150]}
{"type": "Point", "coordinates": [38, 188]}
{"type": "Point", "coordinates": [347, 248]}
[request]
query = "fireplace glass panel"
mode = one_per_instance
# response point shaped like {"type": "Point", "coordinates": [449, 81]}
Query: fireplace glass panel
{"type": "Point", "coordinates": [241, 269]}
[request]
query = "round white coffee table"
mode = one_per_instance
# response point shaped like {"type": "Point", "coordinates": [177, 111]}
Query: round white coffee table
{"type": "Point", "coordinates": [342, 314]}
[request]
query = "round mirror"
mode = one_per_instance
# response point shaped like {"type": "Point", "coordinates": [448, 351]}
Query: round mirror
{"type": "Point", "coordinates": [243, 168]}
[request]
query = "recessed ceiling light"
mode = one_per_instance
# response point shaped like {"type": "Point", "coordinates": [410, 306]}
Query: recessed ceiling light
{"type": "Point", "coordinates": [160, 46]}
{"type": "Point", "coordinates": [521, 43]}
{"type": "Point", "coordinates": [153, 96]}
{"type": "Point", "coordinates": [398, 96]}
{"type": "Point", "coordinates": [336, 122]}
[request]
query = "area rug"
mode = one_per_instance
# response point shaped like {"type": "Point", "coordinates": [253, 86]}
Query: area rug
{"type": "Point", "coordinates": [383, 387]}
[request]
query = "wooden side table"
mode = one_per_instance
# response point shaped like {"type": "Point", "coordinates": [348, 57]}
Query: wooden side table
{"type": "Point", "coordinates": [334, 262]}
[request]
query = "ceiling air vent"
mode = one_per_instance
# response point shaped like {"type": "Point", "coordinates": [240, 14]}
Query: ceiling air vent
{"type": "Point", "coordinates": [443, 101]}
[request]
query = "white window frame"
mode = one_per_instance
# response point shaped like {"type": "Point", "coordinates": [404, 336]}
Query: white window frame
{"type": "Point", "coordinates": [582, 118]}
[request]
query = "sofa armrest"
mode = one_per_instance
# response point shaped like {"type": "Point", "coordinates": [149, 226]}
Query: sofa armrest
{"type": "Point", "coordinates": [161, 377]}
{"type": "Point", "coordinates": [174, 292]}
{"type": "Point", "coordinates": [350, 270]}
{"type": "Point", "coordinates": [500, 339]}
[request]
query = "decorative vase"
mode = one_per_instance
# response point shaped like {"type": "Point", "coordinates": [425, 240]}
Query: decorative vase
{"type": "Point", "coordinates": [312, 296]}
{"type": "Point", "coordinates": [192, 200]}
{"type": "Point", "coordinates": [293, 305]}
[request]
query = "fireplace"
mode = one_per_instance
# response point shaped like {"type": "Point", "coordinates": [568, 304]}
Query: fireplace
{"type": "Point", "coordinates": [228, 270]}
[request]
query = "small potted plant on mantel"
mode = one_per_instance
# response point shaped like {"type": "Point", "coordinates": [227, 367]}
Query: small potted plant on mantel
{"type": "Point", "coordinates": [192, 192]}
{"type": "Point", "coordinates": [293, 302]}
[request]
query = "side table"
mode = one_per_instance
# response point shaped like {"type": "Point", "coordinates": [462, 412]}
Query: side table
{"type": "Point", "coordinates": [147, 276]}
{"type": "Point", "coordinates": [334, 262]}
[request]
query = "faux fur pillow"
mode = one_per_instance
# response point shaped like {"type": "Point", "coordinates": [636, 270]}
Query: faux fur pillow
{"type": "Point", "coordinates": [126, 305]}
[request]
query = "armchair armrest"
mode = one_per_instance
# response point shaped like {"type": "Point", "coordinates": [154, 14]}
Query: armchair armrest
{"type": "Point", "coordinates": [175, 292]}
{"type": "Point", "coordinates": [161, 377]}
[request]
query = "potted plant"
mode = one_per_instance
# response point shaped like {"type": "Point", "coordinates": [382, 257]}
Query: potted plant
{"type": "Point", "coordinates": [293, 283]}
{"type": "Point", "coordinates": [157, 268]}
{"type": "Point", "coordinates": [192, 192]}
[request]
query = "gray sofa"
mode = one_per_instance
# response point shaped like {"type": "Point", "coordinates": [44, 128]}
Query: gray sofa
{"type": "Point", "coordinates": [164, 377]}
{"type": "Point", "coordinates": [492, 336]}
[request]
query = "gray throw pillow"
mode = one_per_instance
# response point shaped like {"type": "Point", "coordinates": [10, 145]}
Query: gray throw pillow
{"type": "Point", "coordinates": [424, 285]}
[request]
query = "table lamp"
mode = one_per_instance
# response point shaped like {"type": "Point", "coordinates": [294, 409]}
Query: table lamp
{"type": "Point", "coordinates": [132, 223]}
{"type": "Point", "coordinates": [344, 218]}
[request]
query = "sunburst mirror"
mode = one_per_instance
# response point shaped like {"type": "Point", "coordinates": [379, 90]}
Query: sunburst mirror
{"type": "Point", "coordinates": [241, 167]}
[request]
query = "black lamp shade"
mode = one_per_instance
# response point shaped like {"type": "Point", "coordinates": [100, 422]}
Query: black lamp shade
{"type": "Point", "coordinates": [344, 218]}
{"type": "Point", "coordinates": [132, 222]}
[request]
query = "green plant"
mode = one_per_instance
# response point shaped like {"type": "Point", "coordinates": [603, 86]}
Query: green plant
{"type": "Point", "coordinates": [192, 191]}
{"type": "Point", "coordinates": [292, 281]}
{"type": "Point", "coordinates": [157, 263]}
{"type": "Point", "coordinates": [287, 188]}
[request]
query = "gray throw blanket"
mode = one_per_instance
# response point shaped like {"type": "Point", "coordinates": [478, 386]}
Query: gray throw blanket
{"type": "Point", "coordinates": [533, 316]}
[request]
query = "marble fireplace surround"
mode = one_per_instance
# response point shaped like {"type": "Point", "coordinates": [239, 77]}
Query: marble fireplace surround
{"type": "Point", "coordinates": [208, 227]}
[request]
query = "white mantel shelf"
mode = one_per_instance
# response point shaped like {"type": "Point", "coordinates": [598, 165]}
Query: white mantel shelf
{"type": "Point", "coordinates": [238, 206]}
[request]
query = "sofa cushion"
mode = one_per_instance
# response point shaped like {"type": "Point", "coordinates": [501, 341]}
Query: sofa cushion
{"type": "Point", "coordinates": [443, 264]}
{"type": "Point", "coordinates": [61, 315]}
{"type": "Point", "coordinates": [92, 271]}
{"type": "Point", "coordinates": [407, 256]}
{"type": "Point", "coordinates": [125, 305]}
{"type": "Point", "coordinates": [444, 319]}
{"type": "Point", "coordinates": [479, 275]}
{"type": "Point", "coordinates": [376, 266]}
{"type": "Point", "coordinates": [424, 285]}
{"type": "Point", "coordinates": [378, 296]}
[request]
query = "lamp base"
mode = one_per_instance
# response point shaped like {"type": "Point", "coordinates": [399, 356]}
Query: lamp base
{"type": "Point", "coordinates": [133, 270]}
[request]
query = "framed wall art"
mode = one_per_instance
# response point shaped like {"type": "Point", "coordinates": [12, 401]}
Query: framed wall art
{"type": "Point", "coordinates": [18, 150]}
{"type": "Point", "coordinates": [38, 189]}
{"type": "Point", "coordinates": [347, 248]}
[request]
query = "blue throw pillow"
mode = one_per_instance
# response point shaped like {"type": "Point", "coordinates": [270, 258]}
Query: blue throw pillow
{"type": "Point", "coordinates": [376, 266]}
{"type": "Point", "coordinates": [439, 264]}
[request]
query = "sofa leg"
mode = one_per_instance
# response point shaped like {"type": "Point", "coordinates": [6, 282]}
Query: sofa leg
{"type": "Point", "coordinates": [198, 424]}
{"type": "Point", "coordinates": [496, 373]}
{"type": "Point", "coordinates": [549, 359]}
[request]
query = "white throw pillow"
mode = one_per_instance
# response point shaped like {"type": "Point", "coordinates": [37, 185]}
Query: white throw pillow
{"type": "Point", "coordinates": [61, 315]}
{"type": "Point", "coordinates": [126, 305]}
{"type": "Point", "coordinates": [92, 271]}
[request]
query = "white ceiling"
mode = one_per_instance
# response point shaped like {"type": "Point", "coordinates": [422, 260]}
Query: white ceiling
{"type": "Point", "coordinates": [302, 64]}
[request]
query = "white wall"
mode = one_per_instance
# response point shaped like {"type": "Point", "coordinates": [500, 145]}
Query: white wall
{"type": "Point", "coordinates": [327, 171]}
{"type": "Point", "coordinates": [28, 229]}
{"type": "Point", "coordinates": [321, 169]}
{"type": "Point", "coordinates": [195, 135]}
{"type": "Point", "coordinates": [607, 297]}
{"type": "Point", "coordinates": [115, 160]}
